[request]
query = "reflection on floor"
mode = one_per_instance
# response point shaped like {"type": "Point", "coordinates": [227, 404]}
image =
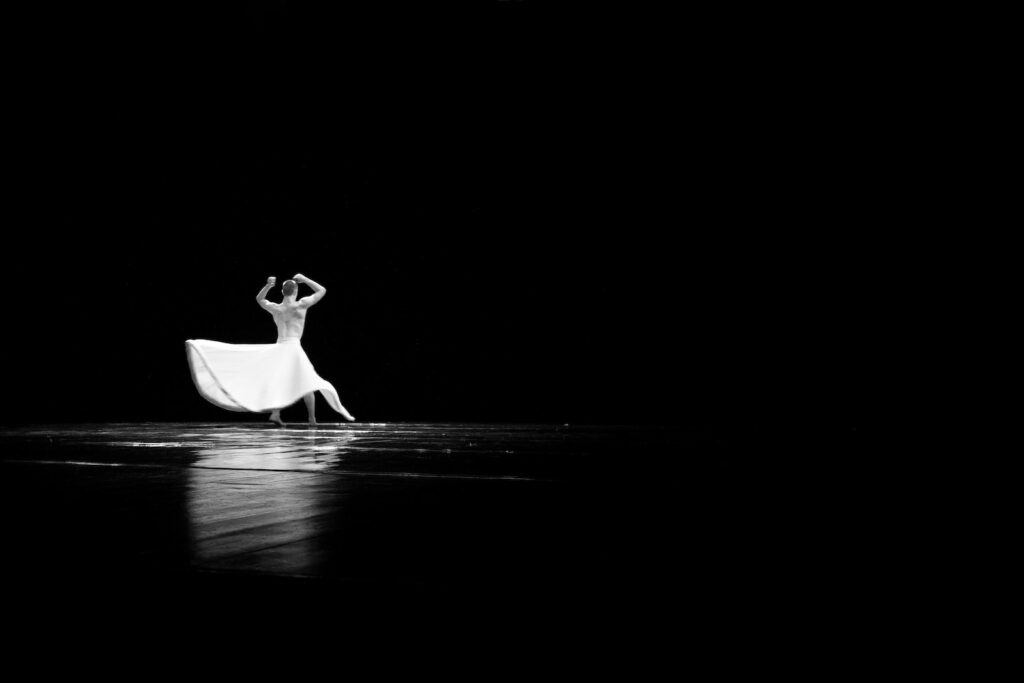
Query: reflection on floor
{"type": "Point", "coordinates": [558, 524]}
{"type": "Point", "coordinates": [539, 513]}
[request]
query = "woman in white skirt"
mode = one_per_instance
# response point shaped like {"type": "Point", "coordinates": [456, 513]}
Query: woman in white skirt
{"type": "Point", "coordinates": [265, 377]}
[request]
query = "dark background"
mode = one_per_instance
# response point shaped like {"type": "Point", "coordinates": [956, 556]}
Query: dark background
{"type": "Point", "coordinates": [520, 213]}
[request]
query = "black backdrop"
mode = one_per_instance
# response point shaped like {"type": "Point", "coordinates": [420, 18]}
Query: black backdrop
{"type": "Point", "coordinates": [521, 214]}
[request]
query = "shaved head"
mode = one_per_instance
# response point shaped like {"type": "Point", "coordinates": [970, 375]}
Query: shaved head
{"type": "Point", "coordinates": [289, 287]}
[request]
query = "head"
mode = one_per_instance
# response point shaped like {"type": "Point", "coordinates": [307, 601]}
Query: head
{"type": "Point", "coordinates": [289, 288]}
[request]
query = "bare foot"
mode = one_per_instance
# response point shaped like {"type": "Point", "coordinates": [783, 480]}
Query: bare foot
{"type": "Point", "coordinates": [312, 421]}
{"type": "Point", "coordinates": [275, 417]}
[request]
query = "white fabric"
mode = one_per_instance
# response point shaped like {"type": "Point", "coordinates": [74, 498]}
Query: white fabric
{"type": "Point", "coordinates": [255, 377]}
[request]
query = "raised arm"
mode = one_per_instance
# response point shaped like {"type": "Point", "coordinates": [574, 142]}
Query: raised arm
{"type": "Point", "coordinates": [261, 298]}
{"type": "Point", "coordinates": [318, 290]}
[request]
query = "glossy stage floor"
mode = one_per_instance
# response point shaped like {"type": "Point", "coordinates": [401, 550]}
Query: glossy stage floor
{"type": "Point", "coordinates": [350, 514]}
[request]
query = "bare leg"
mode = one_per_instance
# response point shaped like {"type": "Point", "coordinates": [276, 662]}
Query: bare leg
{"type": "Point", "coordinates": [275, 417]}
{"type": "Point", "coordinates": [310, 400]}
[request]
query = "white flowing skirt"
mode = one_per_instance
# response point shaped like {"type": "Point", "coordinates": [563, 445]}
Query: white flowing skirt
{"type": "Point", "coordinates": [255, 377]}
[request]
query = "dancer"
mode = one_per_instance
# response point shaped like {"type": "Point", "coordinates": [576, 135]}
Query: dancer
{"type": "Point", "coordinates": [265, 377]}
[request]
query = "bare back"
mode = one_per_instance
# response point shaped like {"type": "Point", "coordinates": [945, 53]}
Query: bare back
{"type": "Point", "coordinates": [290, 314]}
{"type": "Point", "coordinates": [290, 318]}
